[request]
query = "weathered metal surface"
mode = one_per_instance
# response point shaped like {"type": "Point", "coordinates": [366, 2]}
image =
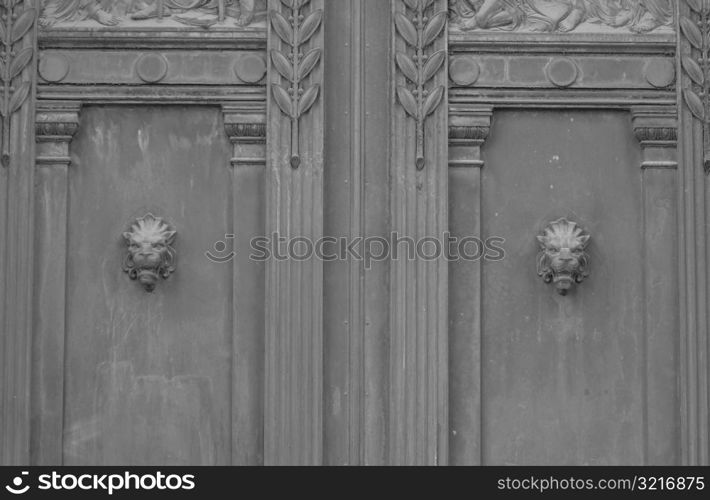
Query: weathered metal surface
{"type": "Point", "coordinates": [148, 376]}
{"type": "Point", "coordinates": [563, 376]}
{"type": "Point", "coordinates": [327, 118]}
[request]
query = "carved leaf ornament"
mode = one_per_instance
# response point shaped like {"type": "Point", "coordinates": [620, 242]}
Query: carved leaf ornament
{"type": "Point", "coordinates": [420, 29]}
{"type": "Point", "coordinates": [15, 22]}
{"type": "Point", "coordinates": [295, 98]}
{"type": "Point", "coordinates": [696, 66]}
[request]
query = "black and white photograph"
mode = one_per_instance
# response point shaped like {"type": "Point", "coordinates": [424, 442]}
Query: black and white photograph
{"type": "Point", "coordinates": [410, 233]}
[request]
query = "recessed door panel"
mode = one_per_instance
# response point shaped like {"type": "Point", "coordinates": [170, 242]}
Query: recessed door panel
{"type": "Point", "coordinates": [148, 374]}
{"type": "Point", "coordinates": [562, 375]}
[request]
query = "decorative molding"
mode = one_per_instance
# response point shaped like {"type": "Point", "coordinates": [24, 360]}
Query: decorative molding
{"type": "Point", "coordinates": [562, 16]}
{"type": "Point", "coordinates": [199, 13]}
{"type": "Point", "coordinates": [617, 99]}
{"type": "Point", "coordinates": [16, 20]}
{"type": "Point", "coordinates": [419, 32]}
{"type": "Point", "coordinates": [55, 131]}
{"type": "Point", "coordinates": [150, 254]}
{"type": "Point", "coordinates": [650, 135]}
{"type": "Point", "coordinates": [246, 130]}
{"type": "Point", "coordinates": [245, 126]}
{"type": "Point", "coordinates": [120, 67]}
{"type": "Point", "coordinates": [56, 123]}
{"type": "Point", "coordinates": [468, 130]}
{"type": "Point", "coordinates": [471, 133]}
{"type": "Point", "coordinates": [160, 38]}
{"type": "Point", "coordinates": [589, 71]}
{"type": "Point", "coordinates": [153, 95]}
{"type": "Point", "coordinates": [563, 260]}
{"type": "Point", "coordinates": [656, 128]}
{"type": "Point", "coordinates": [296, 99]}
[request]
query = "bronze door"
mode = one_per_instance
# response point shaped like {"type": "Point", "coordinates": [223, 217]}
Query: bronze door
{"type": "Point", "coordinates": [150, 154]}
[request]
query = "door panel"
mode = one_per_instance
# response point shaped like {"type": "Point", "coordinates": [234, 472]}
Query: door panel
{"type": "Point", "coordinates": [563, 376]}
{"type": "Point", "coordinates": [199, 121]}
{"type": "Point", "coordinates": [148, 375]}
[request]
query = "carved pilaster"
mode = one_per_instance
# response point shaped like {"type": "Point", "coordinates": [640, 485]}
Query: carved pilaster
{"type": "Point", "coordinates": [656, 128]}
{"type": "Point", "coordinates": [693, 185]}
{"type": "Point", "coordinates": [293, 420]}
{"type": "Point", "coordinates": [246, 129]}
{"type": "Point", "coordinates": [468, 131]}
{"type": "Point", "coordinates": [418, 403]}
{"type": "Point", "coordinates": [19, 48]}
{"type": "Point", "coordinates": [55, 125]}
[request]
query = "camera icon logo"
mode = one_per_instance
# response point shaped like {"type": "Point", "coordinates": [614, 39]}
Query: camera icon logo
{"type": "Point", "coordinates": [16, 487]}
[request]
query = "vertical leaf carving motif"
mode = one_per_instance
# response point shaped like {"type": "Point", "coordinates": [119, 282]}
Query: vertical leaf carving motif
{"type": "Point", "coordinates": [696, 66]}
{"type": "Point", "coordinates": [420, 28]}
{"type": "Point", "coordinates": [15, 22]}
{"type": "Point", "coordinates": [296, 99]}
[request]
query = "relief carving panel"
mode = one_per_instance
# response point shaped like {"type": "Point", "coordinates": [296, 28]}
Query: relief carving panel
{"type": "Point", "coordinates": [145, 13]}
{"type": "Point", "coordinates": [562, 16]}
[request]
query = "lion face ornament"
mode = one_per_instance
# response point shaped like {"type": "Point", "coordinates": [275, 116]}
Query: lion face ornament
{"type": "Point", "coordinates": [563, 260]}
{"type": "Point", "coordinates": [150, 253]}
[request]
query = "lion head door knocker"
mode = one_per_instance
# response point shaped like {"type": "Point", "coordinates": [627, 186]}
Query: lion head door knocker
{"type": "Point", "coordinates": [150, 253]}
{"type": "Point", "coordinates": [563, 260]}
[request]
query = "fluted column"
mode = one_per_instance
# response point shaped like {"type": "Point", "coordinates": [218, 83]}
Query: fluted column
{"type": "Point", "coordinates": [293, 408]}
{"type": "Point", "coordinates": [418, 374]}
{"type": "Point", "coordinates": [694, 162]}
{"type": "Point", "coordinates": [17, 97]}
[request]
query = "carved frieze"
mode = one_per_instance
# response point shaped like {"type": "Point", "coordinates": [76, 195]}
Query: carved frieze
{"type": "Point", "coordinates": [142, 13]}
{"type": "Point", "coordinates": [580, 70]}
{"type": "Point", "coordinates": [562, 16]}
